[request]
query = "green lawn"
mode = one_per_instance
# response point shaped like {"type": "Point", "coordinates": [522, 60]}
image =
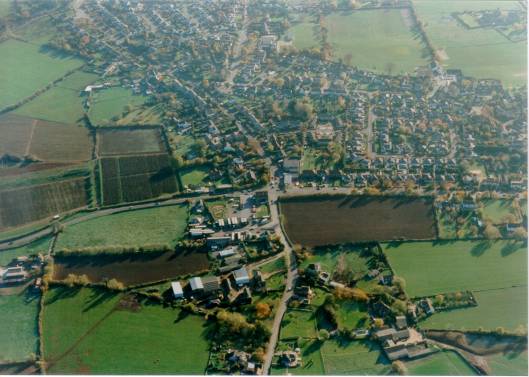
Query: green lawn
{"type": "Point", "coordinates": [25, 69]}
{"type": "Point", "coordinates": [63, 103]}
{"type": "Point", "coordinates": [82, 328]}
{"type": "Point", "coordinates": [328, 258]}
{"type": "Point", "coordinates": [378, 40]}
{"type": "Point", "coordinates": [505, 308]}
{"type": "Point", "coordinates": [160, 225]}
{"type": "Point", "coordinates": [262, 211]}
{"type": "Point", "coordinates": [342, 357]}
{"type": "Point", "coordinates": [482, 53]}
{"type": "Point", "coordinates": [352, 315]}
{"type": "Point", "coordinates": [194, 175]}
{"type": "Point", "coordinates": [445, 363]}
{"type": "Point", "coordinates": [276, 282]}
{"type": "Point", "coordinates": [497, 210]}
{"type": "Point", "coordinates": [110, 103]}
{"type": "Point", "coordinates": [436, 267]}
{"type": "Point", "coordinates": [39, 246]}
{"type": "Point", "coordinates": [298, 323]}
{"type": "Point", "coordinates": [275, 265]}
{"type": "Point", "coordinates": [19, 334]}
{"type": "Point", "coordinates": [508, 364]}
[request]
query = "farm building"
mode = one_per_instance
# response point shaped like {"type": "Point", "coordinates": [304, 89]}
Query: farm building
{"type": "Point", "coordinates": [196, 284]}
{"type": "Point", "coordinates": [229, 251]}
{"type": "Point", "coordinates": [177, 289]}
{"type": "Point", "coordinates": [14, 275]}
{"type": "Point", "coordinates": [241, 276]}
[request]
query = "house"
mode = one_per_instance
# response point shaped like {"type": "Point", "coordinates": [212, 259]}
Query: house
{"type": "Point", "coordinates": [258, 281]}
{"type": "Point", "coordinates": [241, 276]}
{"type": "Point", "coordinates": [228, 252]}
{"type": "Point", "coordinates": [400, 322]}
{"type": "Point", "coordinates": [291, 165]}
{"type": "Point", "coordinates": [177, 289]}
{"type": "Point", "coordinates": [290, 359]}
{"type": "Point", "coordinates": [211, 284]}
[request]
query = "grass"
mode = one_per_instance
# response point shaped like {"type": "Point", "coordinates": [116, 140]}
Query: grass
{"type": "Point", "coordinates": [217, 208]}
{"type": "Point", "coordinates": [505, 308]}
{"type": "Point", "coordinates": [275, 265]}
{"type": "Point", "coordinates": [497, 210]}
{"type": "Point", "coordinates": [109, 104]}
{"type": "Point", "coordinates": [63, 103]}
{"type": "Point", "coordinates": [5, 6]}
{"type": "Point", "coordinates": [82, 327]}
{"type": "Point", "coordinates": [262, 211]}
{"type": "Point", "coordinates": [194, 176]}
{"type": "Point", "coordinates": [39, 246]}
{"type": "Point", "coordinates": [328, 258]}
{"type": "Point", "coordinates": [311, 358]}
{"type": "Point", "coordinates": [342, 357]}
{"type": "Point", "coordinates": [165, 224]}
{"type": "Point", "coordinates": [24, 69]}
{"type": "Point", "coordinates": [430, 268]}
{"type": "Point", "coordinates": [19, 335]}
{"type": "Point", "coordinates": [184, 144]}
{"type": "Point", "coordinates": [298, 323]}
{"type": "Point", "coordinates": [378, 40]}
{"type": "Point", "coordinates": [143, 116]}
{"type": "Point", "coordinates": [351, 315]}
{"type": "Point", "coordinates": [508, 364]}
{"type": "Point", "coordinates": [482, 53]}
{"type": "Point", "coordinates": [276, 282]}
{"type": "Point", "coordinates": [443, 363]}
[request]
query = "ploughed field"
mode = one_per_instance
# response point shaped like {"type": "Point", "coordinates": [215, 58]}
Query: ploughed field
{"type": "Point", "coordinates": [131, 269]}
{"type": "Point", "coordinates": [326, 220]}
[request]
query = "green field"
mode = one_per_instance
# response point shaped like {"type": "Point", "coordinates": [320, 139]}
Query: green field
{"type": "Point", "coordinates": [19, 334]}
{"type": "Point", "coordinates": [24, 69]}
{"type": "Point", "coordinates": [482, 53]}
{"type": "Point", "coordinates": [160, 225]}
{"type": "Point", "coordinates": [298, 323]}
{"type": "Point", "coordinates": [497, 210]}
{"type": "Point", "coordinates": [311, 359]}
{"type": "Point", "coordinates": [430, 268]}
{"type": "Point", "coordinates": [275, 265]}
{"type": "Point", "coordinates": [341, 357]}
{"type": "Point", "coordinates": [109, 104]}
{"type": "Point", "coordinates": [5, 6]}
{"type": "Point", "coordinates": [328, 258]}
{"type": "Point", "coordinates": [505, 308]}
{"type": "Point", "coordinates": [378, 40]}
{"type": "Point", "coordinates": [445, 363]}
{"type": "Point", "coordinates": [508, 364]}
{"type": "Point", "coordinates": [82, 327]}
{"type": "Point", "coordinates": [352, 315]}
{"type": "Point", "coordinates": [39, 246]}
{"type": "Point", "coordinates": [63, 103]}
{"type": "Point", "coordinates": [194, 176]}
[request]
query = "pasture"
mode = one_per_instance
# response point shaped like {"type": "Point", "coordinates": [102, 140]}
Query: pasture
{"type": "Point", "coordinates": [26, 68]}
{"type": "Point", "coordinates": [83, 326]}
{"type": "Point", "coordinates": [131, 269]}
{"type": "Point", "coordinates": [334, 219]}
{"type": "Point", "coordinates": [19, 335]}
{"type": "Point", "coordinates": [194, 176]}
{"type": "Point", "coordinates": [505, 308]}
{"type": "Point", "coordinates": [377, 40]}
{"type": "Point", "coordinates": [159, 225]}
{"type": "Point", "coordinates": [328, 258]}
{"type": "Point", "coordinates": [36, 247]}
{"type": "Point", "coordinates": [442, 363]}
{"type": "Point", "coordinates": [508, 364]}
{"type": "Point", "coordinates": [344, 357]}
{"type": "Point", "coordinates": [481, 53]}
{"type": "Point", "coordinates": [62, 103]}
{"type": "Point", "coordinates": [431, 268]}
{"type": "Point", "coordinates": [31, 203]}
{"type": "Point", "coordinates": [351, 314]}
{"type": "Point", "coordinates": [110, 105]}
{"type": "Point", "coordinates": [298, 323]}
{"type": "Point", "coordinates": [136, 178]}
{"type": "Point", "coordinates": [117, 141]}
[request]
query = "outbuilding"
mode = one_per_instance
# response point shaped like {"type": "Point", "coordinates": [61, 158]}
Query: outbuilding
{"type": "Point", "coordinates": [178, 292]}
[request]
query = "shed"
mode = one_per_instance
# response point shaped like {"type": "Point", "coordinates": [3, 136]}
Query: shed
{"type": "Point", "coordinates": [178, 292]}
{"type": "Point", "coordinates": [196, 284]}
{"type": "Point", "coordinates": [241, 276]}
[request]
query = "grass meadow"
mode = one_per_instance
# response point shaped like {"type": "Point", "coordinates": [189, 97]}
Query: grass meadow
{"type": "Point", "coordinates": [445, 363]}
{"type": "Point", "coordinates": [109, 104]}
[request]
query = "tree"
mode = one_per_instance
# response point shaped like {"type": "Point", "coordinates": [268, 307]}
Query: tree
{"type": "Point", "coordinates": [262, 310]}
{"type": "Point", "coordinates": [115, 285]}
{"type": "Point", "coordinates": [355, 294]}
{"type": "Point", "coordinates": [323, 334]}
{"type": "Point", "coordinates": [491, 232]}
{"type": "Point", "coordinates": [399, 307]}
{"type": "Point", "coordinates": [378, 323]}
{"type": "Point", "coordinates": [520, 234]}
{"type": "Point", "coordinates": [400, 283]}
{"type": "Point", "coordinates": [398, 367]}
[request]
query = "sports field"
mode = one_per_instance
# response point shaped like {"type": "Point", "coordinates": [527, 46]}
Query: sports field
{"type": "Point", "coordinates": [482, 53]}
{"type": "Point", "coordinates": [445, 363]}
{"type": "Point", "coordinates": [378, 40]}
{"type": "Point", "coordinates": [83, 326]}
{"type": "Point", "coordinates": [19, 335]}
{"type": "Point", "coordinates": [430, 268]}
{"type": "Point", "coordinates": [160, 225]}
{"type": "Point", "coordinates": [24, 69]}
{"type": "Point", "coordinates": [63, 103]}
{"type": "Point", "coordinates": [108, 105]}
{"type": "Point", "coordinates": [505, 308]}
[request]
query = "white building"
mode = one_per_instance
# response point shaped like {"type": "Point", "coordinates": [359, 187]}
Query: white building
{"type": "Point", "coordinates": [178, 292]}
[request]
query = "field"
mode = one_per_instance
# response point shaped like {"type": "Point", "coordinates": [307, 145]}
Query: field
{"type": "Point", "coordinates": [194, 176]}
{"type": "Point", "coordinates": [508, 364]}
{"type": "Point", "coordinates": [129, 141]}
{"type": "Point", "coordinates": [45, 141]}
{"type": "Point", "coordinates": [143, 115]}
{"type": "Point", "coordinates": [445, 363]}
{"type": "Point", "coordinates": [430, 268]}
{"type": "Point", "coordinates": [160, 225]}
{"type": "Point", "coordinates": [341, 357]}
{"type": "Point", "coordinates": [63, 103]}
{"type": "Point", "coordinates": [133, 268]}
{"type": "Point", "coordinates": [351, 315]}
{"type": "Point", "coordinates": [108, 105]}
{"type": "Point", "coordinates": [217, 208]}
{"type": "Point", "coordinates": [497, 211]}
{"type": "Point", "coordinates": [39, 246]}
{"type": "Point", "coordinates": [482, 53]}
{"type": "Point", "coordinates": [298, 323]}
{"type": "Point", "coordinates": [275, 265]}
{"type": "Point", "coordinates": [135, 178]}
{"type": "Point", "coordinates": [505, 308]}
{"type": "Point", "coordinates": [314, 221]}
{"type": "Point", "coordinates": [25, 68]}
{"type": "Point", "coordinates": [31, 203]}
{"type": "Point", "coordinates": [328, 258]}
{"type": "Point", "coordinates": [83, 326]}
{"type": "Point", "coordinates": [378, 40]}
{"type": "Point", "coordinates": [311, 357]}
{"type": "Point", "coordinates": [19, 335]}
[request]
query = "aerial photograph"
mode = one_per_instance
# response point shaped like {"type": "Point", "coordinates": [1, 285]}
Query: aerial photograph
{"type": "Point", "coordinates": [263, 187]}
